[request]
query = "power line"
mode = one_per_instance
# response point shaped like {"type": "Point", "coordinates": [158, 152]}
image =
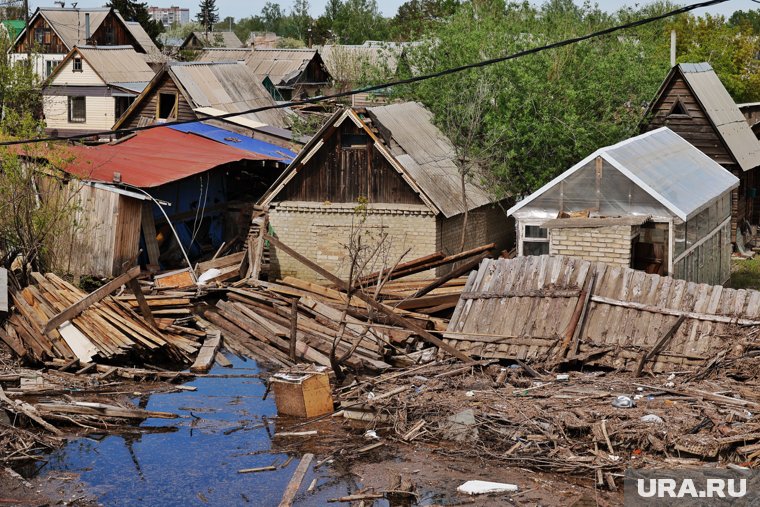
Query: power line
{"type": "Point", "coordinates": [415, 79]}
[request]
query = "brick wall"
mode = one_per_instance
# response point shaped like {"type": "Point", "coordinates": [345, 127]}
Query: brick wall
{"type": "Point", "coordinates": [487, 224]}
{"type": "Point", "coordinates": [321, 232]}
{"type": "Point", "coordinates": [610, 244]}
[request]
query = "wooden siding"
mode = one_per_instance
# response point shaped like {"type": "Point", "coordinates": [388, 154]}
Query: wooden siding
{"type": "Point", "coordinates": [127, 234]}
{"type": "Point", "coordinates": [121, 36]}
{"type": "Point", "coordinates": [146, 108]}
{"type": "Point", "coordinates": [695, 128]}
{"type": "Point", "coordinates": [515, 309]}
{"type": "Point", "coordinates": [99, 112]}
{"type": "Point", "coordinates": [339, 174]}
{"type": "Point", "coordinates": [67, 76]}
{"type": "Point", "coordinates": [53, 44]}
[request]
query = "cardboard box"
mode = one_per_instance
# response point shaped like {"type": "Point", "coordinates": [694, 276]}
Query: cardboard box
{"type": "Point", "coordinates": [302, 394]}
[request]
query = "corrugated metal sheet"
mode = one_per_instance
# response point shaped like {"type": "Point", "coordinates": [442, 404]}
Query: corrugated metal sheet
{"type": "Point", "coordinates": [118, 64]}
{"type": "Point", "coordinates": [223, 55]}
{"type": "Point", "coordinates": [428, 156]}
{"type": "Point", "coordinates": [142, 37]}
{"type": "Point", "coordinates": [723, 113]}
{"type": "Point", "coordinates": [218, 39]}
{"type": "Point", "coordinates": [662, 163]}
{"type": "Point", "coordinates": [153, 158]}
{"type": "Point", "coordinates": [281, 65]}
{"type": "Point", "coordinates": [229, 86]}
{"type": "Point", "coordinates": [238, 141]}
{"type": "Point", "coordinates": [521, 308]}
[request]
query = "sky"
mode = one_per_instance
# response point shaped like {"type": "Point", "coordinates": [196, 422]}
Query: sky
{"type": "Point", "coordinates": [246, 8]}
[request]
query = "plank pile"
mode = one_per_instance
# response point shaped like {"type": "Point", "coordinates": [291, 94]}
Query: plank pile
{"type": "Point", "coordinates": [106, 331]}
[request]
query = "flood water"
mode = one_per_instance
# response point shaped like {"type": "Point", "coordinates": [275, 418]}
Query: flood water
{"type": "Point", "coordinates": [225, 426]}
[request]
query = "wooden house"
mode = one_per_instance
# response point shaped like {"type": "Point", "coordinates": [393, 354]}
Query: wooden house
{"type": "Point", "coordinates": [693, 103]}
{"type": "Point", "coordinates": [390, 168]}
{"type": "Point", "coordinates": [92, 88]}
{"type": "Point", "coordinates": [53, 32]}
{"type": "Point", "coordinates": [200, 40]}
{"type": "Point", "coordinates": [290, 74]}
{"type": "Point", "coordinates": [190, 91]}
{"type": "Point", "coordinates": [615, 206]}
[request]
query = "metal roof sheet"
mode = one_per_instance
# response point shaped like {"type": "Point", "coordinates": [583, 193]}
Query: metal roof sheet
{"type": "Point", "coordinates": [429, 157]}
{"type": "Point", "coordinates": [223, 55]}
{"type": "Point", "coordinates": [664, 165]}
{"type": "Point", "coordinates": [281, 65]}
{"type": "Point", "coordinates": [227, 86]}
{"type": "Point", "coordinates": [142, 37]}
{"type": "Point", "coordinates": [238, 141]}
{"type": "Point", "coordinates": [723, 113]}
{"type": "Point", "coordinates": [118, 64]}
{"type": "Point", "coordinates": [217, 39]}
{"type": "Point", "coordinates": [153, 158]}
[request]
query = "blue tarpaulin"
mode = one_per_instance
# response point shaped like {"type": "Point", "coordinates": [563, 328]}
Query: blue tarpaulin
{"type": "Point", "coordinates": [236, 140]}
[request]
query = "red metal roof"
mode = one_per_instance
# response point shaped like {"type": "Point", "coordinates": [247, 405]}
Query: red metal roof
{"type": "Point", "coordinates": [154, 157]}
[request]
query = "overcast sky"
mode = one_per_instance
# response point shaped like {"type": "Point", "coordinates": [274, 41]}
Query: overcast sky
{"type": "Point", "coordinates": [245, 8]}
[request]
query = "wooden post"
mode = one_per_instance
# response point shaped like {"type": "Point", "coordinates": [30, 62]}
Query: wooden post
{"type": "Point", "coordinates": [142, 303]}
{"type": "Point", "coordinates": [571, 332]}
{"type": "Point", "coordinates": [388, 312]}
{"type": "Point", "coordinates": [293, 328]}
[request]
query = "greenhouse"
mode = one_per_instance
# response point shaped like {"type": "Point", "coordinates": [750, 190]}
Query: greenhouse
{"type": "Point", "coordinates": [653, 202]}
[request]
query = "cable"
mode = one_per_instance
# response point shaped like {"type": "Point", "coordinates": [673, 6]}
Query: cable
{"type": "Point", "coordinates": [415, 79]}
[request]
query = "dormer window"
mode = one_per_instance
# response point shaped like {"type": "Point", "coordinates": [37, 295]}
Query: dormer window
{"type": "Point", "coordinates": [679, 109]}
{"type": "Point", "coordinates": [77, 65]}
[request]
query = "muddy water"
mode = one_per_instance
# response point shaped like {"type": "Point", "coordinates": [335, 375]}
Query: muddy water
{"type": "Point", "coordinates": [225, 426]}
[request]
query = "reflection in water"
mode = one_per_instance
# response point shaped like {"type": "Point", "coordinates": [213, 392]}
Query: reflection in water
{"type": "Point", "coordinates": [197, 464]}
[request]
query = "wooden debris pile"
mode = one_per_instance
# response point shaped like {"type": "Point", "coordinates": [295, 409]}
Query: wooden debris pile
{"type": "Point", "coordinates": [55, 320]}
{"type": "Point", "coordinates": [523, 417]}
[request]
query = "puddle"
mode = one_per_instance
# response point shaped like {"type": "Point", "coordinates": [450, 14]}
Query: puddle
{"type": "Point", "coordinates": [225, 426]}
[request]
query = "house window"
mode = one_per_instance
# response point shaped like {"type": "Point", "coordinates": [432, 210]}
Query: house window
{"type": "Point", "coordinates": [77, 65]}
{"type": "Point", "coordinates": [679, 109]}
{"type": "Point", "coordinates": [354, 140]}
{"type": "Point", "coordinates": [77, 110]}
{"type": "Point", "coordinates": [535, 240]}
{"type": "Point", "coordinates": [39, 35]}
{"type": "Point", "coordinates": [121, 104]}
{"type": "Point", "coordinates": [48, 36]}
{"type": "Point", "coordinates": [50, 66]}
{"type": "Point", "coordinates": [109, 35]}
{"type": "Point", "coordinates": [167, 104]}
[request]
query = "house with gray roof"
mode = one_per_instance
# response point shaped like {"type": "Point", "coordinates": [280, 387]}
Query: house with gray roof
{"type": "Point", "coordinates": [399, 170]}
{"type": "Point", "coordinates": [693, 103]}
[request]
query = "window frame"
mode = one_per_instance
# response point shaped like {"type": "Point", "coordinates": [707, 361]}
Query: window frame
{"type": "Point", "coordinates": [174, 108]}
{"type": "Point", "coordinates": [71, 112]}
{"type": "Point", "coordinates": [77, 65]}
{"type": "Point", "coordinates": [524, 238]}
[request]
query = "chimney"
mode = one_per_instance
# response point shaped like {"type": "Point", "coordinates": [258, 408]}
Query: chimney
{"type": "Point", "coordinates": [86, 27]}
{"type": "Point", "coordinates": [672, 48]}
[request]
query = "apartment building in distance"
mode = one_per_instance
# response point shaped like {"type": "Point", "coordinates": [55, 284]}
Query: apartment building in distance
{"type": "Point", "coordinates": [170, 15]}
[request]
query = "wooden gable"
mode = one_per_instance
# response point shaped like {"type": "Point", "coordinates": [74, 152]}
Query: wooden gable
{"type": "Point", "coordinates": [50, 42]}
{"type": "Point", "coordinates": [346, 168]}
{"type": "Point", "coordinates": [678, 109]}
{"type": "Point", "coordinates": [145, 109]}
{"type": "Point", "coordinates": [112, 32]}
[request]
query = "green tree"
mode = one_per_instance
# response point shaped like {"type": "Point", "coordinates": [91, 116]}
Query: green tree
{"type": "Point", "coordinates": [547, 110]}
{"type": "Point", "coordinates": [748, 21]}
{"type": "Point", "coordinates": [272, 17]}
{"type": "Point", "coordinates": [298, 23]}
{"type": "Point", "coordinates": [245, 26]}
{"type": "Point", "coordinates": [731, 50]}
{"type": "Point", "coordinates": [131, 10]}
{"type": "Point", "coordinates": [415, 17]}
{"type": "Point", "coordinates": [357, 21]}
{"type": "Point", "coordinates": [208, 14]}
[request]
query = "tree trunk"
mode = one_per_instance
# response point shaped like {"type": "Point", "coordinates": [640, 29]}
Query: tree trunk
{"type": "Point", "coordinates": [466, 212]}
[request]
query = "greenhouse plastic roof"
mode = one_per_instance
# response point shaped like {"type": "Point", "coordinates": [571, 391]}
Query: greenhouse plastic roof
{"type": "Point", "coordinates": [666, 166]}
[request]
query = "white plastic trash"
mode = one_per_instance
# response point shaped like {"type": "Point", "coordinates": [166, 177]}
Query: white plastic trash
{"type": "Point", "coordinates": [486, 487]}
{"type": "Point", "coordinates": [209, 275]}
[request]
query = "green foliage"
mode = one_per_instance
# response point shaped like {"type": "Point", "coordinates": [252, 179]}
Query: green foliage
{"type": "Point", "coordinates": [549, 110]}
{"type": "Point", "coordinates": [730, 48]}
{"type": "Point", "coordinates": [415, 17]}
{"type": "Point", "coordinates": [132, 10]}
{"type": "Point", "coordinates": [20, 98]}
{"type": "Point", "coordinates": [748, 21]}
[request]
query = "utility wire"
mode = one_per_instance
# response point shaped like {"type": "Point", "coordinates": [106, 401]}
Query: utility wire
{"type": "Point", "coordinates": [415, 79]}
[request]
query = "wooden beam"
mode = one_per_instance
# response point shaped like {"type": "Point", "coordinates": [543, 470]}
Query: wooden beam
{"type": "Point", "coordinates": [142, 303]}
{"type": "Point", "coordinates": [454, 273]}
{"type": "Point", "coordinates": [92, 298]}
{"type": "Point", "coordinates": [661, 343]}
{"type": "Point", "coordinates": [709, 317]}
{"type": "Point", "coordinates": [392, 316]}
{"type": "Point", "coordinates": [206, 356]}
{"type": "Point", "coordinates": [295, 482]}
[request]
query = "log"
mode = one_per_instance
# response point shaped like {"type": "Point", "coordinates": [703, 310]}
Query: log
{"type": "Point", "coordinates": [92, 298]}
{"type": "Point", "coordinates": [661, 344]}
{"type": "Point", "coordinates": [296, 480]}
{"type": "Point", "coordinates": [400, 321]}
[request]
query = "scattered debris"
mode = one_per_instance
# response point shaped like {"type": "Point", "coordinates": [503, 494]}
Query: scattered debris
{"type": "Point", "coordinates": [485, 487]}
